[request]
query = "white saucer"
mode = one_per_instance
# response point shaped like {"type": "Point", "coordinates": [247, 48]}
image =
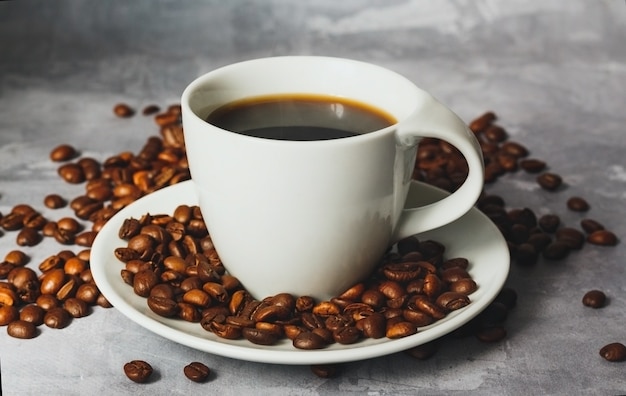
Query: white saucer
{"type": "Point", "coordinates": [473, 236]}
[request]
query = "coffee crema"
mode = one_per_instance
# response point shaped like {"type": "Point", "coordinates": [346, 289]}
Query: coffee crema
{"type": "Point", "coordinates": [300, 117]}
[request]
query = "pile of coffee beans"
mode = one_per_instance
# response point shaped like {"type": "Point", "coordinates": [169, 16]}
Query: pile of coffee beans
{"type": "Point", "coordinates": [63, 289]}
{"type": "Point", "coordinates": [171, 261]}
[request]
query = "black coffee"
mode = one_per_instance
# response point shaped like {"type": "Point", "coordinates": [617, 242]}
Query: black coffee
{"type": "Point", "coordinates": [300, 117]}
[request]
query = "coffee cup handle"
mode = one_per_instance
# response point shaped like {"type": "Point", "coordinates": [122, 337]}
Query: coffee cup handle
{"type": "Point", "coordinates": [436, 121]}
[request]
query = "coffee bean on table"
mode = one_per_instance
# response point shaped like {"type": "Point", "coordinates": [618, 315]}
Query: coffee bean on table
{"type": "Point", "coordinates": [54, 201]}
{"type": "Point", "coordinates": [138, 371]}
{"type": "Point", "coordinates": [532, 165]}
{"type": "Point", "coordinates": [578, 204]}
{"type": "Point", "coordinates": [556, 250]}
{"type": "Point", "coordinates": [123, 110]}
{"type": "Point", "coordinates": [326, 370]}
{"type": "Point", "coordinates": [602, 238]}
{"type": "Point", "coordinates": [197, 372]}
{"type": "Point", "coordinates": [590, 225]}
{"type": "Point", "coordinates": [491, 334]}
{"type": "Point", "coordinates": [614, 352]}
{"type": "Point", "coordinates": [549, 181]}
{"type": "Point", "coordinates": [63, 152]}
{"type": "Point", "coordinates": [22, 329]}
{"type": "Point", "coordinates": [594, 299]}
{"type": "Point", "coordinates": [57, 318]}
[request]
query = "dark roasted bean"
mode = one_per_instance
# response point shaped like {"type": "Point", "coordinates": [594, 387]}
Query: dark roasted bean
{"type": "Point", "coordinates": [614, 352]}
{"type": "Point", "coordinates": [549, 181]}
{"type": "Point", "coordinates": [138, 371]}
{"type": "Point", "coordinates": [594, 299]}
{"type": "Point", "coordinates": [602, 238]}
{"type": "Point", "coordinates": [197, 372]}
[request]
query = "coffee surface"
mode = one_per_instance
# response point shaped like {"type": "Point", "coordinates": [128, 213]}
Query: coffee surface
{"type": "Point", "coordinates": [300, 117]}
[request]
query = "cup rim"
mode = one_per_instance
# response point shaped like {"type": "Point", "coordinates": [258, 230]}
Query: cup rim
{"type": "Point", "coordinates": [201, 80]}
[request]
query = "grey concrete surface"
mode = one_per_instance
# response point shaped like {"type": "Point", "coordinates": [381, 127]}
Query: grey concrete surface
{"type": "Point", "coordinates": [554, 72]}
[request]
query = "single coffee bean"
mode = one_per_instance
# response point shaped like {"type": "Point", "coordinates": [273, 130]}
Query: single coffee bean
{"type": "Point", "coordinates": [63, 152]}
{"type": "Point", "coordinates": [32, 313]}
{"type": "Point", "coordinates": [197, 372]}
{"type": "Point", "coordinates": [572, 237]}
{"type": "Point", "coordinates": [138, 371]}
{"type": "Point", "coordinates": [54, 201]}
{"type": "Point", "coordinates": [532, 165]}
{"type": "Point", "coordinates": [549, 181]}
{"type": "Point", "coordinates": [614, 352]}
{"type": "Point", "coordinates": [549, 222]}
{"type": "Point", "coordinates": [22, 329]}
{"type": "Point", "coordinates": [577, 204]}
{"type": "Point", "coordinates": [16, 258]}
{"type": "Point", "coordinates": [76, 307]}
{"type": "Point", "coordinates": [72, 173]}
{"type": "Point", "coordinates": [556, 250]}
{"type": "Point", "coordinates": [508, 297]}
{"type": "Point", "coordinates": [594, 299]}
{"type": "Point", "coordinates": [308, 340]}
{"type": "Point", "coordinates": [123, 110]}
{"type": "Point", "coordinates": [424, 351]}
{"type": "Point", "coordinates": [491, 334]}
{"type": "Point", "coordinates": [481, 123]}
{"type": "Point", "coordinates": [590, 226]}
{"type": "Point", "coordinates": [602, 238]}
{"type": "Point", "coordinates": [57, 318]}
{"type": "Point", "coordinates": [8, 314]}
{"type": "Point", "coordinates": [150, 110]}
{"type": "Point", "coordinates": [326, 370]}
{"type": "Point", "coordinates": [28, 237]}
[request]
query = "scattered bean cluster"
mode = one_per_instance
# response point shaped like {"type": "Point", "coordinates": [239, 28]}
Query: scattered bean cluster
{"type": "Point", "coordinates": [63, 289]}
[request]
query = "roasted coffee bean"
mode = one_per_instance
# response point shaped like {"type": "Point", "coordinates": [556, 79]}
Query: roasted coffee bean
{"type": "Point", "coordinates": [491, 334]}
{"type": "Point", "coordinates": [144, 281]}
{"type": "Point", "coordinates": [63, 152]}
{"type": "Point", "coordinates": [16, 257]}
{"type": "Point", "coordinates": [465, 286]}
{"type": "Point", "coordinates": [12, 222]}
{"type": "Point", "coordinates": [549, 181]}
{"type": "Point", "coordinates": [614, 352]}
{"type": "Point", "coordinates": [197, 372]}
{"type": "Point", "coordinates": [602, 238]}
{"type": "Point", "coordinates": [28, 237]}
{"type": "Point", "coordinates": [594, 299]}
{"type": "Point", "coordinates": [123, 110]}
{"type": "Point", "coordinates": [590, 226]}
{"type": "Point", "coordinates": [326, 370]}
{"type": "Point", "coordinates": [32, 313]}
{"type": "Point", "coordinates": [400, 329]}
{"type": "Point", "coordinates": [549, 222]}
{"type": "Point", "coordinates": [8, 314]}
{"type": "Point", "coordinates": [494, 314]}
{"type": "Point", "coordinates": [424, 351]}
{"type": "Point", "coordinates": [452, 300]}
{"type": "Point", "coordinates": [572, 237]}
{"type": "Point", "coordinates": [57, 318]}
{"type": "Point", "coordinates": [578, 204]}
{"type": "Point", "coordinates": [76, 307]}
{"type": "Point", "coordinates": [72, 173]}
{"type": "Point", "coordinates": [260, 336]}
{"type": "Point", "coordinates": [48, 301]}
{"type": "Point", "coordinates": [556, 250]}
{"type": "Point", "coordinates": [138, 371]}
{"type": "Point", "coordinates": [52, 281]}
{"type": "Point", "coordinates": [150, 110]}
{"type": "Point", "coordinates": [22, 329]}
{"type": "Point", "coordinates": [346, 335]}
{"type": "Point", "coordinates": [481, 123]}
{"type": "Point", "coordinates": [308, 340]}
{"type": "Point", "coordinates": [163, 306]}
{"type": "Point", "coordinates": [54, 201]}
{"type": "Point", "coordinates": [532, 165]}
{"type": "Point", "coordinates": [508, 297]}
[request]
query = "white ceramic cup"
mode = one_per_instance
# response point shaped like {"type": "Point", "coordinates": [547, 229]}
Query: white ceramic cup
{"type": "Point", "coordinates": [315, 217]}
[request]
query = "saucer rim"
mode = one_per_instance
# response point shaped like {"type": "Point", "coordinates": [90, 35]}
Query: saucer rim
{"type": "Point", "coordinates": [135, 308]}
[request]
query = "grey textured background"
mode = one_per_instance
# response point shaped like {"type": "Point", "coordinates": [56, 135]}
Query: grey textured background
{"type": "Point", "coordinates": [554, 72]}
